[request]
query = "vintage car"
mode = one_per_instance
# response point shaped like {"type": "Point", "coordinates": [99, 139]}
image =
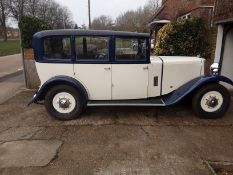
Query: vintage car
{"type": "Point", "coordinates": [81, 68]}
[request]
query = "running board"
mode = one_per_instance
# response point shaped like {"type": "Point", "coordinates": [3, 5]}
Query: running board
{"type": "Point", "coordinates": [143, 102]}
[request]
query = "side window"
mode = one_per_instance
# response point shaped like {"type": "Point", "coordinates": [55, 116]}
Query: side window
{"type": "Point", "coordinates": [92, 48]}
{"type": "Point", "coordinates": [131, 49]}
{"type": "Point", "coordinates": [57, 48]}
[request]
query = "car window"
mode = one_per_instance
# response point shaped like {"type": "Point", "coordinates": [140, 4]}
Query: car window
{"type": "Point", "coordinates": [57, 48]}
{"type": "Point", "coordinates": [131, 49]}
{"type": "Point", "coordinates": [92, 48]}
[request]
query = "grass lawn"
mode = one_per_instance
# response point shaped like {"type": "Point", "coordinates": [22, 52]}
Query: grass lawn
{"type": "Point", "coordinates": [10, 47]}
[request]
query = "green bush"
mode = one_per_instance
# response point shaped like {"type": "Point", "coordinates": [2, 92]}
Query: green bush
{"type": "Point", "coordinates": [28, 27]}
{"type": "Point", "coordinates": [184, 38]}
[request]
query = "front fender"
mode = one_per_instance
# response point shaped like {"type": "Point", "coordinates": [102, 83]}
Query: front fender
{"type": "Point", "coordinates": [191, 87]}
{"type": "Point", "coordinates": [40, 94]}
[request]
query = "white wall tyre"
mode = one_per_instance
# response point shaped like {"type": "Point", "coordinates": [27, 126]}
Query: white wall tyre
{"type": "Point", "coordinates": [63, 102]}
{"type": "Point", "coordinates": [211, 101]}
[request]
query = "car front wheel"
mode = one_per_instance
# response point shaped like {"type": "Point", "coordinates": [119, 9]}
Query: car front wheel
{"type": "Point", "coordinates": [211, 101]}
{"type": "Point", "coordinates": [63, 102]}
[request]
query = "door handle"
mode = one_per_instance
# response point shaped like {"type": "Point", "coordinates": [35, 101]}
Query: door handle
{"type": "Point", "coordinates": [146, 68]}
{"type": "Point", "coordinates": [107, 68]}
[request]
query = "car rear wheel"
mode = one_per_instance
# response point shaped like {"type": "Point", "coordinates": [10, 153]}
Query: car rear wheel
{"type": "Point", "coordinates": [63, 102]}
{"type": "Point", "coordinates": [211, 101]}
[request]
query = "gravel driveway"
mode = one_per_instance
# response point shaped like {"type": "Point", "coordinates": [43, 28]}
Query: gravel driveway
{"type": "Point", "coordinates": [111, 140]}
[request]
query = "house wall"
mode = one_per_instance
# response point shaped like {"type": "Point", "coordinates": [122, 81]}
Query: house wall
{"type": "Point", "coordinates": [219, 44]}
{"type": "Point", "coordinates": [171, 9]}
{"type": "Point", "coordinates": [223, 10]}
{"type": "Point", "coordinates": [223, 16]}
{"type": "Point", "coordinates": [227, 62]}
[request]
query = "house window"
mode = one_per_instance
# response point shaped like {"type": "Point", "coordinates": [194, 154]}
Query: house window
{"type": "Point", "coordinates": [186, 16]}
{"type": "Point", "coordinates": [92, 48]}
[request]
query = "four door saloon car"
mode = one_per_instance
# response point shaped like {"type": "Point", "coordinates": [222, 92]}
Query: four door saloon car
{"type": "Point", "coordinates": [81, 68]}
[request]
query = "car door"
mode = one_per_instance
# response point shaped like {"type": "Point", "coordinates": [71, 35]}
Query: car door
{"type": "Point", "coordinates": [130, 69]}
{"type": "Point", "coordinates": [92, 67]}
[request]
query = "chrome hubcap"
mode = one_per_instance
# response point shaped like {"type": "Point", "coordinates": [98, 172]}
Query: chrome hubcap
{"type": "Point", "coordinates": [212, 101]}
{"type": "Point", "coordinates": [64, 102]}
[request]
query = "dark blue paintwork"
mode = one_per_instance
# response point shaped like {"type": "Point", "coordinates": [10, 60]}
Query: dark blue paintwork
{"type": "Point", "coordinates": [170, 99]}
{"type": "Point", "coordinates": [75, 32]}
{"type": "Point", "coordinates": [59, 80]}
{"type": "Point", "coordinates": [38, 45]}
{"type": "Point", "coordinates": [192, 86]}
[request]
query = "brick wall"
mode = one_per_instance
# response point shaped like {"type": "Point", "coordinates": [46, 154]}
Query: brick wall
{"type": "Point", "coordinates": [223, 10]}
{"type": "Point", "coordinates": [172, 9]}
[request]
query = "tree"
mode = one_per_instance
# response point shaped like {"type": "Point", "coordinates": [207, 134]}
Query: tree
{"type": "Point", "coordinates": [32, 7]}
{"type": "Point", "coordinates": [83, 26]}
{"type": "Point", "coordinates": [76, 26]}
{"type": "Point", "coordinates": [137, 20]}
{"type": "Point", "coordinates": [17, 8]}
{"type": "Point", "coordinates": [50, 11]}
{"type": "Point", "coordinates": [29, 26]}
{"type": "Point", "coordinates": [102, 23]}
{"type": "Point", "coordinates": [3, 17]}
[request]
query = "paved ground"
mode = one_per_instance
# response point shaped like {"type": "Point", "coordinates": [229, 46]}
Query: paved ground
{"type": "Point", "coordinates": [10, 86]}
{"type": "Point", "coordinates": [106, 141]}
{"type": "Point", "coordinates": [10, 64]}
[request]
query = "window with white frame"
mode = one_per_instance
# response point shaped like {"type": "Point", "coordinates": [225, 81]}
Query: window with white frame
{"type": "Point", "coordinates": [186, 16]}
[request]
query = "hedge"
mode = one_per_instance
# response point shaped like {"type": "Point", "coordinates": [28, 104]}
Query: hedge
{"type": "Point", "coordinates": [184, 38]}
{"type": "Point", "coordinates": [28, 27]}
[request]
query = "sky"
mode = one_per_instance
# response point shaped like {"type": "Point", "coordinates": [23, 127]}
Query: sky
{"type": "Point", "coordinates": [113, 8]}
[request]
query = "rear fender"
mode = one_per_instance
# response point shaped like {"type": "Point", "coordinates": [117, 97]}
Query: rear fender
{"type": "Point", "coordinates": [192, 86]}
{"type": "Point", "coordinates": [59, 80]}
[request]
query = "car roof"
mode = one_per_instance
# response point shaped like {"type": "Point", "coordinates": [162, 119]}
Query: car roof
{"type": "Point", "coordinates": [67, 32]}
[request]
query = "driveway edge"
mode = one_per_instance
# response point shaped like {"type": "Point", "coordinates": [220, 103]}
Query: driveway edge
{"type": "Point", "coordinates": [10, 75]}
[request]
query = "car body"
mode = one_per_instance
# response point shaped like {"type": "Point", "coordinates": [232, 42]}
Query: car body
{"type": "Point", "coordinates": [80, 68]}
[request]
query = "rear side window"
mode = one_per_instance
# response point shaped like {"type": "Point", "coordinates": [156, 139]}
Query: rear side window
{"type": "Point", "coordinates": [57, 48]}
{"type": "Point", "coordinates": [131, 49]}
{"type": "Point", "coordinates": [92, 48]}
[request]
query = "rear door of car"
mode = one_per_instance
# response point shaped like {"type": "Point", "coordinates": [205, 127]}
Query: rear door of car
{"type": "Point", "coordinates": [92, 66]}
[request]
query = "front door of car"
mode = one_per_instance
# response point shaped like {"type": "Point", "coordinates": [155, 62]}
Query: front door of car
{"type": "Point", "coordinates": [92, 67]}
{"type": "Point", "coordinates": [130, 71]}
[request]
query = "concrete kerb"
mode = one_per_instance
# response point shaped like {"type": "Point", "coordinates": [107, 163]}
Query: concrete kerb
{"type": "Point", "coordinates": [10, 75]}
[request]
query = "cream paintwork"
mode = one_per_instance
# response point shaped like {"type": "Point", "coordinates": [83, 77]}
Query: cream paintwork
{"type": "Point", "coordinates": [129, 81]}
{"type": "Point", "coordinates": [96, 78]}
{"type": "Point", "coordinates": [47, 71]}
{"type": "Point", "coordinates": [155, 69]}
{"type": "Point", "coordinates": [179, 70]}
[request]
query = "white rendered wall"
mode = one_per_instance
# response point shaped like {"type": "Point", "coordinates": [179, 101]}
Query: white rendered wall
{"type": "Point", "coordinates": [219, 44]}
{"type": "Point", "coordinates": [227, 64]}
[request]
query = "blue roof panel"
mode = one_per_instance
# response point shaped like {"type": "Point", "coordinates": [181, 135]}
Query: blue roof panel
{"type": "Point", "coordinates": [65, 32]}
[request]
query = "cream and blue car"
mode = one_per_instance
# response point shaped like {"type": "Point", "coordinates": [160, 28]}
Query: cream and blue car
{"type": "Point", "coordinates": [81, 68]}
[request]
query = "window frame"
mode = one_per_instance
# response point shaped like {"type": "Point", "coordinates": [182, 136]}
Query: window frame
{"type": "Point", "coordinates": [145, 61]}
{"type": "Point", "coordinates": [47, 60]}
{"type": "Point", "coordinates": [82, 61]}
{"type": "Point", "coordinates": [185, 16]}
